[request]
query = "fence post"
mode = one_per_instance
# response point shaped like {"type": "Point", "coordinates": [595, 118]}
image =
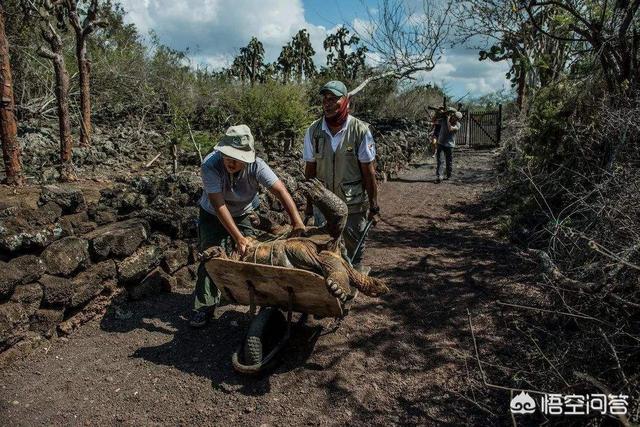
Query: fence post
{"type": "Point", "coordinates": [468, 129]}
{"type": "Point", "coordinates": [499, 124]}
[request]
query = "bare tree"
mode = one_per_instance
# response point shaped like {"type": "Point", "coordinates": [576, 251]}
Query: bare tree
{"type": "Point", "coordinates": [48, 12]}
{"type": "Point", "coordinates": [407, 35]}
{"type": "Point", "coordinates": [8, 128]}
{"type": "Point", "coordinates": [83, 31]}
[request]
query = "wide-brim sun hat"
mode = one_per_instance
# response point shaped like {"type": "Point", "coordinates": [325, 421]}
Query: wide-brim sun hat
{"type": "Point", "coordinates": [238, 144]}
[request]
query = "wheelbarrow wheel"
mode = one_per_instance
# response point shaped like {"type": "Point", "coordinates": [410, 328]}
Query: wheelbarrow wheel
{"type": "Point", "coordinates": [265, 332]}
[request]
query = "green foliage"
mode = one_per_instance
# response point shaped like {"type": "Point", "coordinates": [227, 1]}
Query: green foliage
{"type": "Point", "coordinates": [205, 140]}
{"type": "Point", "coordinates": [296, 58]}
{"type": "Point", "coordinates": [564, 149]}
{"type": "Point", "coordinates": [345, 58]}
{"type": "Point", "coordinates": [189, 139]}
{"type": "Point", "coordinates": [551, 114]}
{"type": "Point", "coordinates": [491, 100]}
{"type": "Point", "coordinates": [249, 64]}
{"type": "Point", "coordinates": [141, 79]}
{"type": "Point", "coordinates": [271, 110]}
{"type": "Point", "coordinates": [374, 99]}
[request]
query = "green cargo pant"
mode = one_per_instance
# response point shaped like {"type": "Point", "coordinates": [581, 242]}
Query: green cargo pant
{"type": "Point", "coordinates": [211, 232]}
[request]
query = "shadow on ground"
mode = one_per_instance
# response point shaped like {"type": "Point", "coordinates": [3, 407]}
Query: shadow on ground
{"type": "Point", "coordinates": [414, 344]}
{"type": "Point", "coordinates": [205, 352]}
{"type": "Point", "coordinates": [447, 264]}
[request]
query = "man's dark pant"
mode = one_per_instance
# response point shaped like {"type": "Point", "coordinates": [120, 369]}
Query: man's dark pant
{"type": "Point", "coordinates": [447, 152]}
{"type": "Point", "coordinates": [211, 232]}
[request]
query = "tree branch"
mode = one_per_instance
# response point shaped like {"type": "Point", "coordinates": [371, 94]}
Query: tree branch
{"type": "Point", "coordinates": [395, 74]}
{"type": "Point", "coordinates": [46, 53]}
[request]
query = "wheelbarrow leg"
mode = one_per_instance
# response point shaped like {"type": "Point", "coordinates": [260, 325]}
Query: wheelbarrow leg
{"type": "Point", "coordinates": [289, 311]}
{"type": "Point", "coordinates": [252, 298]}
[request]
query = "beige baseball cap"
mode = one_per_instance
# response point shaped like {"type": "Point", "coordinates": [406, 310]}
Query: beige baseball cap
{"type": "Point", "coordinates": [238, 143]}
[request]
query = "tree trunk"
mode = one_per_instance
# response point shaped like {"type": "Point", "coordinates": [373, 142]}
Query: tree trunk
{"type": "Point", "coordinates": [8, 128]}
{"type": "Point", "coordinates": [64, 121]}
{"type": "Point", "coordinates": [522, 87]}
{"type": "Point", "coordinates": [84, 71]}
{"type": "Point", "coordinates": [253, 72]}
{"type": "Point", "coordinates": [300, 59]}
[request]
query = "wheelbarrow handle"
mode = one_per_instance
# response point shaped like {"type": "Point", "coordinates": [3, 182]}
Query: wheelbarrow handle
{"type": "Point", "coordinates": [361, 240]}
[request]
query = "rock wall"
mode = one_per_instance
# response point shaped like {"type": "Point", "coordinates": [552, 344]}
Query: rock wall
{"type": "Point", "coordinates": [62, 263]}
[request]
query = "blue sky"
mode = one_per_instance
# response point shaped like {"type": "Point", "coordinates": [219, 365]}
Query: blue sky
{"type": "Point", "coordinates": [214, 30]}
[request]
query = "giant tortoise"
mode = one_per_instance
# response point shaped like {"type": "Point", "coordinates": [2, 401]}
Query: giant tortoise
{"type": "Point", "coordinates": [318, 250]}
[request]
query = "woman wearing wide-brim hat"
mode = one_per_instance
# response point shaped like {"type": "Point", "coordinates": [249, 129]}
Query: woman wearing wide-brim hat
{"type": "Point", "coordinates": [231, 176]}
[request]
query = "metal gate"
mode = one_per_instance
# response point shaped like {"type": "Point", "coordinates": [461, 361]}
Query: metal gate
{"type": "Point", "coordinates": [480, 128]}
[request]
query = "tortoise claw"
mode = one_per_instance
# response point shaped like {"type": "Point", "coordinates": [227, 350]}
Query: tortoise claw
{"type": "Point", "coordinates": [335, 290]}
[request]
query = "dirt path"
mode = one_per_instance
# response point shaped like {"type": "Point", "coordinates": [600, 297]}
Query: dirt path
{"type": "Point", "coordinates": [406, 358]}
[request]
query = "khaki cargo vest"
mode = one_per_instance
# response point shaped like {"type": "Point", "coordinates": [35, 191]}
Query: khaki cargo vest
{"type": "Point", "coordinates": [340, 171]}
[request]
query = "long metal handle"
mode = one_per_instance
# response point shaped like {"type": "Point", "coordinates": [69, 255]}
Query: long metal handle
{"type": "Point", "coordinates": [361, 241]}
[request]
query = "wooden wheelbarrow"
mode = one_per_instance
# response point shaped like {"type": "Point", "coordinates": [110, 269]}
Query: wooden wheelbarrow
{"type": "Point", "coordinates": [274, 289]}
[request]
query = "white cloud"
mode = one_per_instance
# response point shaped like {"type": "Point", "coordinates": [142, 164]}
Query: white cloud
{"type": "Point", "coordinates": [218, 28]}
{"type": "Point", "coordinates": [362, 26]}
{"type": "Point", "coordinates": [137, 13]}
{"type": "Point", "coordinates": [460, 72]}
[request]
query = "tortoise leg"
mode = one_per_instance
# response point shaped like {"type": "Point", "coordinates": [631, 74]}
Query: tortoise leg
{"type": "Point", "coordinates": [369, 286]}
{"type": "Point", "coordinates": [336, 277]}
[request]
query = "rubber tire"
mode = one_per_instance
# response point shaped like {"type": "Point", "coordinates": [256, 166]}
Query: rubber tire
{"type": "Point", "coordinates": [265, 331]}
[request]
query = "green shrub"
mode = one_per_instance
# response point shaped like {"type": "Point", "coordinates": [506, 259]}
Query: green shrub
{"type": "Point", "coordinates": [274, 112]}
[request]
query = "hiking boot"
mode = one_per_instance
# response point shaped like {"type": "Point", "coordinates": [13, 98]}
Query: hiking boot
{"type": "Point", "coordinates": [438, 180]}
{"type": "Point", "coordinates": [200, 318]}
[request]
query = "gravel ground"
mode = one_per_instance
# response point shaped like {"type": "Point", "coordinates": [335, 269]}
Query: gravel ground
{"type": "Point", "coordinates": [406, 358]}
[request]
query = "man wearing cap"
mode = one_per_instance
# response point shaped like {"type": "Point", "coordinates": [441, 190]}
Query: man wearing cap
{"type": "Point", "coordinates": [339, 150]}
{"type": "Point", "coordinates": [231, 175]}
{"type": "Point", "coordinates": [449, 126]}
